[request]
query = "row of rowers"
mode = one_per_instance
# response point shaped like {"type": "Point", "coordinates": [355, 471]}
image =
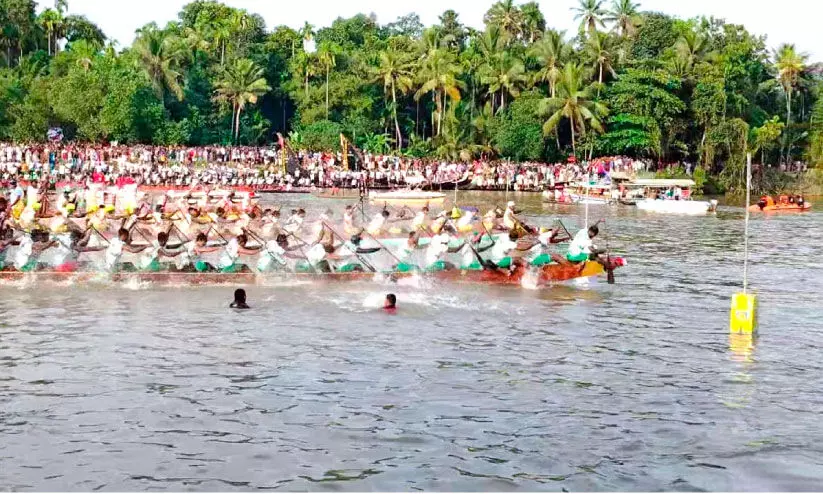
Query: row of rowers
{"type": "Point", "coordinates": [259, 241]}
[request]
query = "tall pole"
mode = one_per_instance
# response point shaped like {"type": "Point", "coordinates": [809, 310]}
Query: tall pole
{"type": "Point", "coordinates": [746, 227]}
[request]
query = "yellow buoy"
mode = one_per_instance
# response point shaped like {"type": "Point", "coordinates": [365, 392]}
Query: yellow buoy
{"type": "Point", "coordinates": [743, 313]}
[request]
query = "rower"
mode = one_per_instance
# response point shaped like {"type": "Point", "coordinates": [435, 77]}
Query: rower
{"type": "Point", "coordinates": [30, 246]}
{"type": "Point", "coordinates": [490, 220]}
{"type": "Point", "coordinates": [419, 221]}
{"type": "Point", "coordinates": [378, 222]}
{"type": "Point", "coordinates": [348, 221]}
{"type": "Point", "coordinates": [438, 247]}
{"type": "Point", "coordinates": [232, 251]}
{"type": "Point", "coordinates": [465, 223]}
{"type": "Point", "coordinates": [150, 260]}
{"type": "Point", "coordinates": [438, 223]}
{"type": "Point", "coordinates": [500, 252]}
{"type": "Point", "coordinates": [98, 220]}
{"type": "Point", "coordinates": [295, 221]}
{"type": "Point", "coordinates": [582, 249]}
{"type": "Point", "coordinates": [274, 254]}
{"type": "Point", "coordinates": [16, 196]}
{"type": "Point", "coordinates": [316, 256]}
{"type": "Point", "coordinates": [63, 202]}
{"type": "Point", "coordinates": [66, 256]}
{"type": "Point", "coordinates": [320, 233]}
{"type": "Point", "coordinates": [5, 242]}
{"type": "Point", "coordinates": [342, 255]}
{"type": "Point", "coordinates": [406, 252]}
{"type": "Point", "coordinates": [115, 249]}
{"type": "Point", "coordinates": [270, 223]}
{"type": "Point", "coordinates": [189, 255]}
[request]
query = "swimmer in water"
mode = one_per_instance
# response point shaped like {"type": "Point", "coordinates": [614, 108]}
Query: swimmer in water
{"type": "Point", "coordinates": [390, 305]}
{"type": "Point", "coordinates": [239, 300]}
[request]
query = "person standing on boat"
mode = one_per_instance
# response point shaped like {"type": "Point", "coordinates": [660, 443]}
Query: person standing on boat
{"type": "Point", "coordinates": [509, 220]}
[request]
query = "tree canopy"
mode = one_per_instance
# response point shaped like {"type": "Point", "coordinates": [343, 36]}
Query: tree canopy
{"type": "Point", "coordinates": [627, 81]}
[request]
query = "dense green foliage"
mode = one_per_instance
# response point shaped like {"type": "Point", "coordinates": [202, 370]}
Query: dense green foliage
{"type": "Point", "coordinates": [631, 82]}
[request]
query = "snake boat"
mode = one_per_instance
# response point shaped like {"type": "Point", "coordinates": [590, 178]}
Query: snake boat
{"type": "Point", "coordinates": [541, 276]}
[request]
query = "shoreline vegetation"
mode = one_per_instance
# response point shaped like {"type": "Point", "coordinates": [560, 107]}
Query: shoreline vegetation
{"type": "Point", "coordinates": [695, 94]}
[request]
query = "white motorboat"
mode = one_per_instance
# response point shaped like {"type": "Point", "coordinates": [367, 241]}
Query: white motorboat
{"type": "Point", "coordinates": [673, 196]}
{"type": "Point", "coordinates": [684, 206]}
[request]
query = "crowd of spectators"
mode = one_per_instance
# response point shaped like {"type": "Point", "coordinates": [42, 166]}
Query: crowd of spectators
{"type": "Point", "coordinates": [264, 168]}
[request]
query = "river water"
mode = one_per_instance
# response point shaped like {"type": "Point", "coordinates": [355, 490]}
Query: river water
{"type": "Point", "coordinates": [584, 386]}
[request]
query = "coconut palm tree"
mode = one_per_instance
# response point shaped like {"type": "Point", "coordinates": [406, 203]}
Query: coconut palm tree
{"type": "Point", "coordinates": [599, 51]}
{"type": "Point", "coordinates": [221, 32]}
{"type": "Point", "coordinates": [194, 42]}
{"type": "Point", "coordinates": [83, 53]}
{"type": "Point", "coordinates": [504, 74]}
{"type": "Point", "coordinates": [52, 22]}
{"type": "Point", "coordinates": [590, 13]}
{"type": "Point", "coordinates": [574, 103]}
{"type": "Point", "coordinates": [691, 47]}
{"type": "Point", "coordinates": [492, 42]}
{"type": "Point", "coordinates": [438, 75]}
{"type": "Point", "coordinates": [506, 16]}
{"type": "Point", "coordinates": [327, 57]}
{"type": "Point", "coordinates": [534, 23]}
{"type": "Point", "coordinates": [159, 55]}
{"type": "Point", "coordinates": [790, 64]}
{"type": "Point", "coordinates": [395, 72]}
{"type": "Point", "coordinates": [241, 83]}
{"type": "Point", "coordinates": [624, 15]}
{"type": "Point", "coordinates": [551, 52]}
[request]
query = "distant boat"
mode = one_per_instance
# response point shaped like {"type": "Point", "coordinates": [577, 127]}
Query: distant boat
{"type": "Point", "coordinates": [408, 197]}
{"type": "Point", "coordinates": [673, 205]}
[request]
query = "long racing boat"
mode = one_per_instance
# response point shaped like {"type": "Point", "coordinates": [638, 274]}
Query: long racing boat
{"type": "Point", "coordinates": [541, 276]}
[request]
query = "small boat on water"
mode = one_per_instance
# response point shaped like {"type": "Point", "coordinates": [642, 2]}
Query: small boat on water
{"type": "Point", "coordinates": [592, 194]}
{"type": "Point", "coordinates": [785, 203]}
{"type": "Point", "coordinates": [408, 197]}
{"type": "Point", "coordinates": [672, 206]}
{"type": "Point", "coordinates": [670, 196]}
